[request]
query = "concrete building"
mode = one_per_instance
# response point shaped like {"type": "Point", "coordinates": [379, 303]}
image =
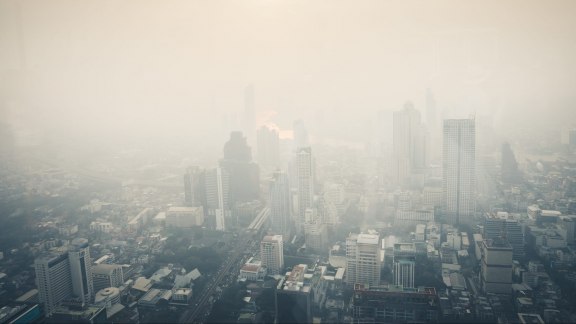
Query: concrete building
{"type": "Point", "coordinates": [404, 271]}
{"type": "Point", "coordinates": [293, 297]}
{"type": "Point", "coordinates": [280, 208]}
{"type": "Point", "coordinates": [217, 186]}
{"type": "Point", "coordinates": [81, 270]}
{"type": "Point", "coordinates": [272, 253]}
{"type": "Point", "coordinates": [392, 304]}
{"type": "Point", "coordinates": [409, 147]}
{"type": "Point", "coordinates": [107, 275]}
{"type": "Point", "coordinates": [184, 217]}
{"type": "Point", "coordinates": [268, 154]}
{"type": "Point", "coordinates": [363, 259]}
{"type": "Point", "coordinates": [53, 280]}
{"type": "Point", "coordinates": [496, 266]}
{"type": "Point", "coordinates": [305, 176]}
{"type": "Point", "coordinates": [459, 169]}
{"type": "Point", "coordinates": [503, 224]}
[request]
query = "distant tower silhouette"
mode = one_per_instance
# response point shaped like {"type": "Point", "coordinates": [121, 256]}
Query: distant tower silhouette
{"type": "Point", "coordinates": [459, 169]}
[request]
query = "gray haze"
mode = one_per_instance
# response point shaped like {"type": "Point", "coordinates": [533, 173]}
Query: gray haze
{"type": "Point", "coordinates": [100, 71]}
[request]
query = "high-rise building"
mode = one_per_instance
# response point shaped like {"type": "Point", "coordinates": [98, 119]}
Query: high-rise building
{"type": "Point", "coordinates": [496, 266]}
{"type": "Point", "coordinates": [65, 275]}
{"type": "Point", "coordinates": [53, 280]}
{"type": "Point", "coordinates": [217, 183]}
{"type": "Point", "coordinates": [81, 270]}
{"type": "Point", "coordinates": [244, 174]}
{"type": "Point", "coordinates": [363, 259]}
{"type": "Point", "coordinates": [280, 208]}
{"type": "Point", "coordinates": [510, 173]}
{"type": "Point", "coordinates": [272, 253]}
{"type": "Point", "coordinates": [404, 271]}
{"type": "Point", "coordinates": [408, 144]}
{"type": "Point", "coordinates": [268, 147]}
{"type": "Point", "coordinates": [502, 224]}
{"type": "Point", "coordinates": [305, 176]}
{"type": "Point", "coordinates": [193, 187]}
{"type": "Point", "coordinates": [459, 169]}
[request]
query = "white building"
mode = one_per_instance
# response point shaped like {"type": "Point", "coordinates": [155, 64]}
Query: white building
{"type": "Point", "coordinates": [459, 169]}
{"type": "Point", "coordinates": [217, 196]}
{"type": "Point", "coordinates": [81, 270]}
{"type": "Point", "coordinates": [305, 176]}
{"type": "Point", "coordinates": [272, 253]}
{"type": "Point", "coordinates": [363, 259]}
{"type": "Point", "coordinates": [53, 280]}
{"type": "Point", "coordinates": [107, 275]}
{"type": "Point", "coordinates": [184, 216]}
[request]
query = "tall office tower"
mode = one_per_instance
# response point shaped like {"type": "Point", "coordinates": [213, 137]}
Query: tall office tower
{"type": "Point", "coordinates": [53, 279]}
{"type": "Point", "coordinates": [510, 173]}
{"type": "Point", "coordinates": [280, 208]}
{"type": "Point", "coordinates": [193, 187]}
{"type": "Point", "coordinates": [300, 134]}
{"type": "Point", "coordinates": [363, 259]}
{"type": "Point", "coordinates": [408, 145]}
{"type": "Point", "coordinates": [244, 174]}
{"type": "Point", "coordinates": [459, 169]}
{"type": "Point", "coordinates": [61, 276]}
{"type": "Point", "coordinates": [107, 275]}
{"type": "Point", "coordinates": [502, 224]}
{"type": "Point", "coordinates": [272, 253]}
{"type": "Point", "coordinates": [404, 271]}
{"type": "Point", "coordinates": [249, 113]}
{"type": "Point", "coordinates": [305, 176]}
{"type": "Point", "coordinates": [217, 183]}
{"type": "Point", "coordinates": [496, 266]}
{"type": "Point", "coordinates": [81, 270]}
{"type": "Point", "coordinates": [268, 147]}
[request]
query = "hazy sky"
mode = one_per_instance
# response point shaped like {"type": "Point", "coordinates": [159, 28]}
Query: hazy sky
{"type": "Point", "coordinates": [168, 68]}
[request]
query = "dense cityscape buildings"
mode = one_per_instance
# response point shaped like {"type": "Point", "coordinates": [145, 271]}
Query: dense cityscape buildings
{"type": "Point", "coordinates": [427, 176]}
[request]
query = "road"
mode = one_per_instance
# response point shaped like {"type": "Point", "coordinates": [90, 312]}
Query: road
{"type": "Point", "coordinates": [195, 314]}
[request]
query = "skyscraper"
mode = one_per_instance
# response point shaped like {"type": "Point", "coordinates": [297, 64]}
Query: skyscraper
{"type": "Point", "coordinates": [459, 169]}
{"type": "Point", "coordinates": [502, 224]}
{"type": "Point", "coordinates": [81, 270]}
{"type": "Point", "coordinates": [408, 144]}
{"type": "Point", "coordinates": [268, 147]}
{"type": "Point", "coordinates": [193, 187]}
{"type": "Point", "coordinates": [272, 253]}
{"type": "Point", "coordinates": [53, 280]}
{"type": "Point", "coordinates": [65, 275]}
{"type": "Point", "coordinates": [217, 183]}
{"type": "Point", "coordinates": [510, 173]}
{"type": "Point", "coordinates": [280, 208]}
{"type": "Point", "coordinates": [244, 174]}
{"type": "Point", "coordinates": [305, 176]}
{"type": "Point", "coordinates": [363, 259]}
